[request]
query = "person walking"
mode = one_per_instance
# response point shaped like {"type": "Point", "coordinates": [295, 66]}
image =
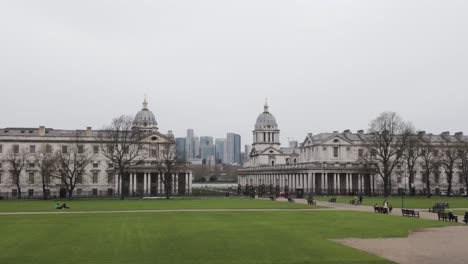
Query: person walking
{"type": "Point", "coordinates": [360, 199]}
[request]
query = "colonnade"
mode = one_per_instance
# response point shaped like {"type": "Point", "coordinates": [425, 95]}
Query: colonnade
{"type": "Point", "coordinates": [147, 183]}
{"type": "Point", "coordinates": [314, 182]}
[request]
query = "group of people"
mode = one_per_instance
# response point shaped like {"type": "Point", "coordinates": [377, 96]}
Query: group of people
{"type": "Point", "coordinates": [357, 200]}
{"type": "Point", "coordinates": [63, 206]}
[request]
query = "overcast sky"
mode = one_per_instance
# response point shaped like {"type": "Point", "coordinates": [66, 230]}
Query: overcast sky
{"type": "Point", "coordinates": [208, 65]}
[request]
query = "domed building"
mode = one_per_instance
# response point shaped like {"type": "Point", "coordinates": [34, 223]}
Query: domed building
{"type": "Point", "coordinates": [266, 147]}
{"type": "Point", "coordinates": [145, 119]}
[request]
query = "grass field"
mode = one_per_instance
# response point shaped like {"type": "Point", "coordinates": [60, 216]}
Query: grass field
{"type": "Point", "coordinates": [194, 237]}
{"type": "Point", "coordinates": [409, 202]}
{"type": "Point", "coordinates": [126, 205]}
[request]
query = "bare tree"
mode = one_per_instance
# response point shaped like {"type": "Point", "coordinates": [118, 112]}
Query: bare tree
{"type": "Point", "coordinates": [168, 165]}
{"type": "Point", "coordinates": [17, 159]}
{"type": "Point", "coordinates": [448, 161]}
{"type": "Point", "coordinates": [71, 165]}
{"type": "Point", "coordinates": [411, 154]}
{"type": "Point", "coordinates": [385, 143]}
{"type": "Point", "coordinates": [430, 162]}
{"type": "Point", "coordinates": [122, 145]}
{"type": "Point", "coordinates": [48, 167]}
{"type": "Point", "coordinates": [462, 163]}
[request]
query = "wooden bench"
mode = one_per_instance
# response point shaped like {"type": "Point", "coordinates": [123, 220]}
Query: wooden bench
{"type": "Point", "coordinates": [409, 213]}
{"type": "Point", "coordinates": [447, 217]}
{"type": "Point", "coordinates": [332, 200]}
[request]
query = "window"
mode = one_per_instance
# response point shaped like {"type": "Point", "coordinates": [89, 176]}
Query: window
{"type": "Point", "coordinates": [94, 192]}
{"type": "Point", "coordinates": [111, 165]}
{"type": "Point", "coordinates": [95, 165]}
{"type": "Point", "coordinates": [110, 178]}
{"type": "Point", "coordinates": [48, 148]}
{"type": "Point", "coordinates": [360, 152]}
{"type": "Point", "coordinates": [15, 149]}
{"type": "Point", "coordinates": [32, 164]}
{"type": "Point", "coordinates": [335, 152]}
{"type": "Point", "coordinates": [110, 149]}
{"type": "Point", "coordinates": [30, 192]}
{"type": "Point", "coordinates": [14, 192]}
{"type": "Point", "coordinates": [110, 192]}
{"type": "Point", "coordinates": [348, 148]}
{"type": "Point", "coordinates": [47, 179]}
{"type": "Point", "coordinates": [64, 149]}
{"type": "Point", "coordinates": [126, 150]}
{"type": "Point", "coordinates": [0, 177]}
{"type": "Point", "coordinates": [96, 149]}
{"type": "Point", "coordinates": [32, 149]}
{"type": "Point", "coordinates": [31, 178]}
{"type": "Point", "coordinates": [154, 152]}
{"type": "Point", "coordinates": [1, 148]}
{"type": "Point", "coordinates": [324, 148]}
{"type": "Point", "coordinates": [399, 180]}
{"type": "Point", "coordinates": [79, 179]}
{"type": "Point", "coordinates": [336, 141]}
{"type": "Point", "coordinates": [80, 149]}
{"type": "Point", "coordinates": [79, 191]}
{"type": "Point", "coordinates": [95, 177]}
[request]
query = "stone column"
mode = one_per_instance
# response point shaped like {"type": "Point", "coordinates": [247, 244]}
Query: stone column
{"type": "Point", "coordinates": [134, 182]}
{"type": "Point", "coordinates": [145, 184]}
{"type": "Point", "coordinates": [312, 179]}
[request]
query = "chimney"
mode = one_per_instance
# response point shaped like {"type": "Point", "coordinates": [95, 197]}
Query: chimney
{"type": "Point", "coordinates": [360, 132]}
{"type": "Point", "coordinates": [42, 131]}
{"type": "Point", "coordinates": [459, 135]}
{"type": "Point", "coordinates": [170, 134]}
{"type": "Point", "coordinates": [445, 134]}
{"type": "Point", "coordinates": [89, 132]}
{"type": "Point", "coordinates": [421, 133]}
{"type": "Point", "coordinates": [309, 135]}
{"type": "Point", "coordinates": [335, 132]}
{"type": "Point", "coordinates": [347, 131]}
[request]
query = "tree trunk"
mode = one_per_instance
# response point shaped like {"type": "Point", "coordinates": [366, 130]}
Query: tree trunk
{"type": "Point", "coordinates": [449, 181]}
{"type": "Point", "coordinates": [386, 193]}
{"type": "Point", "coordinates": [44, 195]}
{"type": "Point", "coordinates": [70, 193]}
{"type": "Point", "coordinates": [428, 187]}
{"type": "Point", "coordinates": [18, 187]}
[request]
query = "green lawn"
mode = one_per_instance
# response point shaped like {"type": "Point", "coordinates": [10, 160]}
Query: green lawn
{"type": "Point", "coordinates": [409, 202]}
{"type": "Point", "coordinates": [194, 237]}
{"type": "Point", "coordinates": [126, 205]}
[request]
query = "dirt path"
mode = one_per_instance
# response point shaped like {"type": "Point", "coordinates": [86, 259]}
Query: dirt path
{"type": "Point", "coordinates": [428, 246]}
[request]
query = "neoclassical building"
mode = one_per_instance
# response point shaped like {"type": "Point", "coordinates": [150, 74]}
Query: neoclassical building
{"type": "Point", "coordinates": [329, 163]}
{"type": "Point", "coordinates": [100, 178]}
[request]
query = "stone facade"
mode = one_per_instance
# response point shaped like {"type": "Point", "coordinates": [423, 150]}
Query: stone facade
{"type": "Point", "coordinates": [329, 163]}
{"type": "Point", "coordinates": [100, 178]}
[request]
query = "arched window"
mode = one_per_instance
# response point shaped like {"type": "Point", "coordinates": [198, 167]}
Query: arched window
{"type": "Point", "coordinates": [336, 141]}
{"type": "Point", "coordinates": [272, 163]}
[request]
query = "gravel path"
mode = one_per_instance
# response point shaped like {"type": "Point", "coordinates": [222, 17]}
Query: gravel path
{"type": "Point", "coordinates": [428, 246]}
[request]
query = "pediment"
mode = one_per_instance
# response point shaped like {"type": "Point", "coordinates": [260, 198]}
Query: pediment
{"type": "Point", "coordinates": [271, 151]}
{"type": "Point", "coordinates": [159, 138]}
{"type": "Point", "coordinates": [336, 140]}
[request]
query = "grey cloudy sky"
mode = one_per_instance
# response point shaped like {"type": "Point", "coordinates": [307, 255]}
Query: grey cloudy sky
{"type": "Point", "coordinates": [208, 65]}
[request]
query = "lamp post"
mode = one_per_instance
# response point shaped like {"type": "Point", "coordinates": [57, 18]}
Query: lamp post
{"type": "Point", "coordinates": [405, 178]}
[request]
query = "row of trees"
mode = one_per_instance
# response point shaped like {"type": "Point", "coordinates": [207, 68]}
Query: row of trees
{"type": "Point", "coordinates": [120, 143]}
{"type": "Point", "coordinates": [392, 142]}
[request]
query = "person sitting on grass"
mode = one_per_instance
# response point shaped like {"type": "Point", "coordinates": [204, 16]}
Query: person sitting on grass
{"type": "Point", "coordinates": [64, 205]}
{"type": "Point", "coordinates": [57, 206]}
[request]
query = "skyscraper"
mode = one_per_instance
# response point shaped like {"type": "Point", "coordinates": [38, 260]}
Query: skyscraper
{"type": "Point", "coordinates": [233, 148]}
{"type": "Point", "coordinates": [181, 148]}
{"type": "Point", "coordinates": [189, 144]}
{"type": "Point", "coordinates": [207, 149]}
{"type": "Point", "coordinates": [220, 150]}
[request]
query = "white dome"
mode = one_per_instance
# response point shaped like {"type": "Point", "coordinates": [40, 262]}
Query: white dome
{"type": "Point", "coordinates": [145, 118]}
{"type": "Point", "coordinates": [266, 120]}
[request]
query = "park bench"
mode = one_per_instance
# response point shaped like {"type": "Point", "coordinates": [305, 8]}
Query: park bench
{"type": "Point", "coordinates": [439, 207]}
{"type": "Point", "coordinates": [291, 200]}
{"type": "Point", "coordinates": [310, 201]}
{"type": "Point", "coordinates": [380, 210]}
{"type": "Point", "coordinates": [332, 200]}
{"type": "Point", "coordinates": [447, 217]}
{"type": "Point", "coordinates": [409, 213]}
